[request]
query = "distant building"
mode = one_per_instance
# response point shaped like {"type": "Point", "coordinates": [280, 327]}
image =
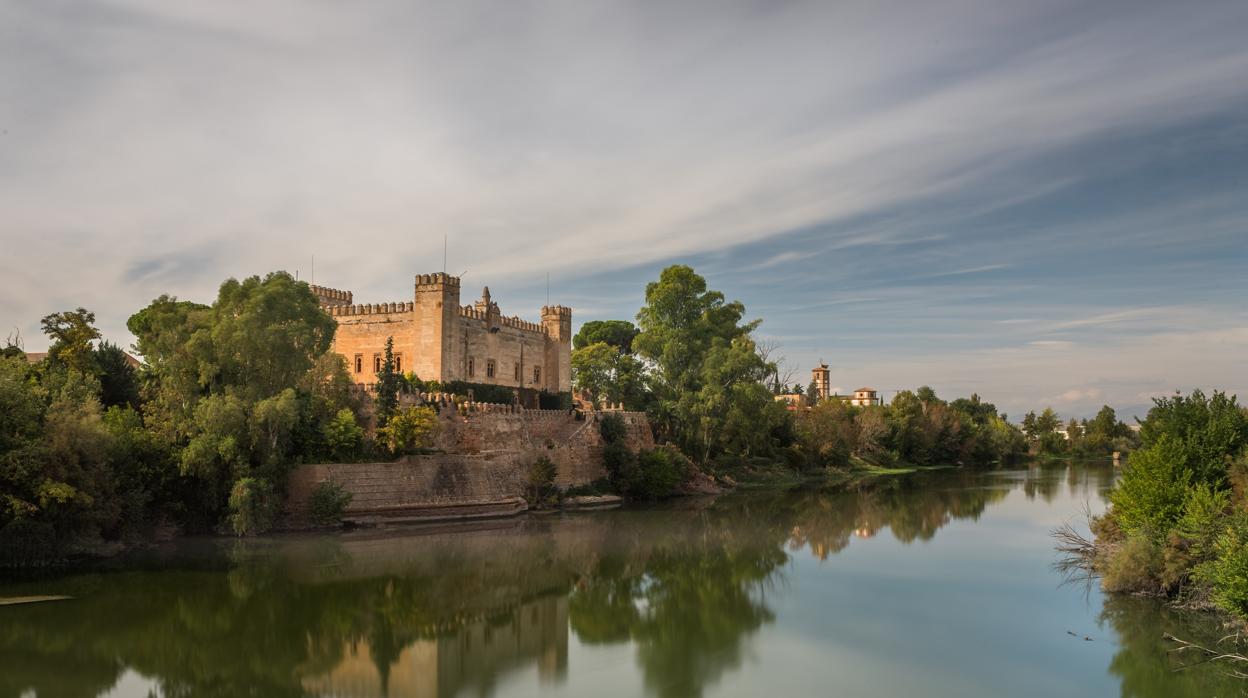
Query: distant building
{"type": "Point", "coordinates": [865, 397]}
{"type": "Point", "coordinates": [793, 401]}
{"type": "Point", "coordinates": [822, 378]}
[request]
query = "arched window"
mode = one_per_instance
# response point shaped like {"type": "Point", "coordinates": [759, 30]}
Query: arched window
{"type": "Point", "coordinates": [472, 367]}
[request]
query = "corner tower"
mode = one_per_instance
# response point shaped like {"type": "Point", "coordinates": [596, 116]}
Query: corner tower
{"type": "Point", "coordinates": [435, 313]}
{"type": "Point", "coordinates": [557, 320]}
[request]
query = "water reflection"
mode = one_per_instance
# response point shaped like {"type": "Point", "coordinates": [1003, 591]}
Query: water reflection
{"type": "Point", "coordinates": [686, 589]}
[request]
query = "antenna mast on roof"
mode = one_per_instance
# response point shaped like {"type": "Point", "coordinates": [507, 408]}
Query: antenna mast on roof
{"type": "Point", "coordinates": [547, 288]}
{"type": "Point", "coordinates": [443, 254]}
{"type": "Point", "coordinates": [313, 269]}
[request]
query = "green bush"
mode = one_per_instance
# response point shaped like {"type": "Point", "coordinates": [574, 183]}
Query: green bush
{"type": "Point", "coordinates": [541, 490]}
{"type": "Point", "coordinates": [327, 503]}
{"type": "Point", "coordinates": [612, 428]}
{"type": "Point", "coordinates": [409, 429]}
{"type": "Point", "coordinates": [343, 436]}
{"type": "Point", "coordinates": [252, 506]}
{"type": "Point", "coordinates": [1132, 567]}
{"type": "Point", "coordinates": [661, 471]}
{"type": "Point", "coordinates": [1149, 498]}
{"type": "Point", "coordinates": [1191, 541]}
{"type": "Point", "coordinates": [1227, 572]}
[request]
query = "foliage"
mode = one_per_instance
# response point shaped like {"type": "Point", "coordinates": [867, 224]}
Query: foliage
{"type": "Point", "coordinates": [1210, 431]}
{"type": "Point", "coordinates": [119, 382]}
{"type": "Point", "coordinates": [1176, 496]}
{"type": "Point", "coordinates": [827, 433]}
{"type": "Point", "coordinates": [614, 333]}
{"type": "Point", "coordinates": [612, 428]}
{"type": "Point", "coordinates": [540, 489]}
{"type": "Point", "coordinates": [707, 375]}
{"type": "Point", "coordinates": [343, 436]}
{"type": "Point", "coordinates": [388, 381]}
{"type": "Point", "coordinates": [409, 429]}
{"type": "Point", "coordinates": [71, 333]}
{"type": "Point", "coordinates": [649, 475]}
{"type": "Point", "coordinates": [327, 503]}
{"type": "Point", "coordinates": [1133, 567]}
{"type": "Point", "coordinates": [252, 506]}
{"type": "Point", "coordinates": [1148, 499]}
{"type": "Point", "coordinates": [482, 392]}
{"type": "Point", "coordinates": [608, 374]}
{"type": "Point", "coordinates": [1227, 572]}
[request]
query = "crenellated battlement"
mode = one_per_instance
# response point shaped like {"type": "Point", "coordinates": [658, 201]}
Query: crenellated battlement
{"type": "Point", "coordinates": [559, 311]}
{"type": "Point", "coordinates": [370, 309]}
{"type": "Point", "coordinates": [521, 324]}
{"type": "Point", "coordinates": [331, 296]}
{"type": "Point", "coordinates": [436, 280]}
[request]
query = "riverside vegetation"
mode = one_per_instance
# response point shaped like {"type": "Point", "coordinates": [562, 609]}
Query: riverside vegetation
{"type": "Point", "coordinates": [1177, 525]}
{"type": "Point", "coordinates": [233, 395]}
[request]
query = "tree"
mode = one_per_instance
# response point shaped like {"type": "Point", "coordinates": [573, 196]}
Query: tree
{"type": "Point", "coordinates": [119, 382]}
{"type": "Point", "coordinates": [240, 389]}
{"type": "Point", "coordinates": [616, 333]}
{"type": "Point", "coordinates": [1210, 430]}
{"type": "Point", "coordinates": [72, 333]}
{"type": "Point", "coordinates": [387, 385]}
{"type": "Point", "coordinates": [701, 358]}
{"type": "Point", "coordinates": [812, 394]}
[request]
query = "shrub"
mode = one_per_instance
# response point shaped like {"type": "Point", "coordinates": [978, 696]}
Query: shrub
{"type": "Point", "coordinates": [252, 508]}
{"type": "Point", "coordinates": [328, 502]}
{"type": "Point", "coordinates": [1149, 498]}
{"type": "Point", "coordinates": [541, 491]}
{"type": "Point", "coordinates": [1132, 567]}
{"type": "Point", "coordinates": [409, 429]}
{"type": "Point", "coordinates": [343, 435]}
{"type": "Point", "coordinates": [650, 475]}
{"type": "Point", "coordinates": [660, 472]}
{"type": "Point", "coordinates": [617, 459]}
{"type": "Point", "coordinates": [612, 428]}
{"type": "Point", "coordinates": [1227, 572]}
{"type": "Point", "coordinates": [1191, 541]}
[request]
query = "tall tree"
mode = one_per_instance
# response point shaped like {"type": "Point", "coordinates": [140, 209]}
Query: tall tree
{"type": "Point", "coordinates": [616, 333]}
{"type": "Point", "coordinates": [703, 362]}
{"type": "Point", "coordinates": [387, 385]}
{"type": "Point", "coordinates": [72, 333]}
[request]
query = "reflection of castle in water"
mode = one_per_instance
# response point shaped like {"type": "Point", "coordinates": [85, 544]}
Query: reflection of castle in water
{"type": "Point", "coordinates": [472, 657]}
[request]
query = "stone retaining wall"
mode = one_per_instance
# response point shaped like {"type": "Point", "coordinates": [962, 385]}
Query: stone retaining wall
{"type": "Point", "coordinates": [483, 471]}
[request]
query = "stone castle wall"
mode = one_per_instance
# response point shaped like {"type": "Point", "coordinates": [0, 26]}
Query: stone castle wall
{"type": "Point", "coordinates": [483, 472]}
{"type": "Point", "coordinates": [439, 339]}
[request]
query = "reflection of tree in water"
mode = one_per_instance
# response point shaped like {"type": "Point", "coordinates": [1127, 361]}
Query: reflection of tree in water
{"type": "Point", "coordinates": [912, 508]}
{"type": "Point", "coordinates": [688, 609]}
{"type": "Point", "coordinates": [1145, 665]}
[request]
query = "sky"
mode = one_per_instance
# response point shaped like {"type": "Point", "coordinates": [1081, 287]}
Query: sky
{"type": "Point", "coordinates": [1042, 202]}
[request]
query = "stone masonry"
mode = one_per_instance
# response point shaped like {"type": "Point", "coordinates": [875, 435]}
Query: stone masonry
{"type": "Point", "coordinates": [489, 449]}
{"type": "Point", "coordinates": [439, 339]}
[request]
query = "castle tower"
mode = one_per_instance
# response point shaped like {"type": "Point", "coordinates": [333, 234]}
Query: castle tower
{"type": "Point", "coordinates": [435, 313]}
{"type": "Point", "coordinates": [557, 320]}
{"type": "Point", "coordinates": [822, 378]}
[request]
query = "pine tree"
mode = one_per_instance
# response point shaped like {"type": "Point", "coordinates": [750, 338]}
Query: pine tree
{"type": "Point", "coordinates": [387, 386]}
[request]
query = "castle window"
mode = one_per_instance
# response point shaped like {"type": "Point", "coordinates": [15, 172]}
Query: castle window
{"type": "Point", "coordinates": [398, 363]}
{"type": "Point", "coordinates": [489, 368]}
{"type": "Point", "coordinates": [376, 363]}
{"type": "Point", "coordinates": [537, 374]}
{"type": "Point", "coordinates": [517, 373]}
{"type": "Point", "coordinates": [359, 363]}
{"type": "Point", "coordinates": [472, 367]}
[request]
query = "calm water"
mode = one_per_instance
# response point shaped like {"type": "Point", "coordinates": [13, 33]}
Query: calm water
{"type": "Point", "coordinates": [936, 584]}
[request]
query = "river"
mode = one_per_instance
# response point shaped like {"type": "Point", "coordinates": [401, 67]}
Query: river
{"type": "Point", "coordinates": [939, 583]}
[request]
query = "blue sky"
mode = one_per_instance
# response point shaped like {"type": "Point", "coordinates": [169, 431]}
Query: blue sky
{"type": "Point", "coordinates": [1042, 202]}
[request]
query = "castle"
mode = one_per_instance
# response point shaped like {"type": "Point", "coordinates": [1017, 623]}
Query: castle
{"type": "Point", "coordinates": [438, 339]}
